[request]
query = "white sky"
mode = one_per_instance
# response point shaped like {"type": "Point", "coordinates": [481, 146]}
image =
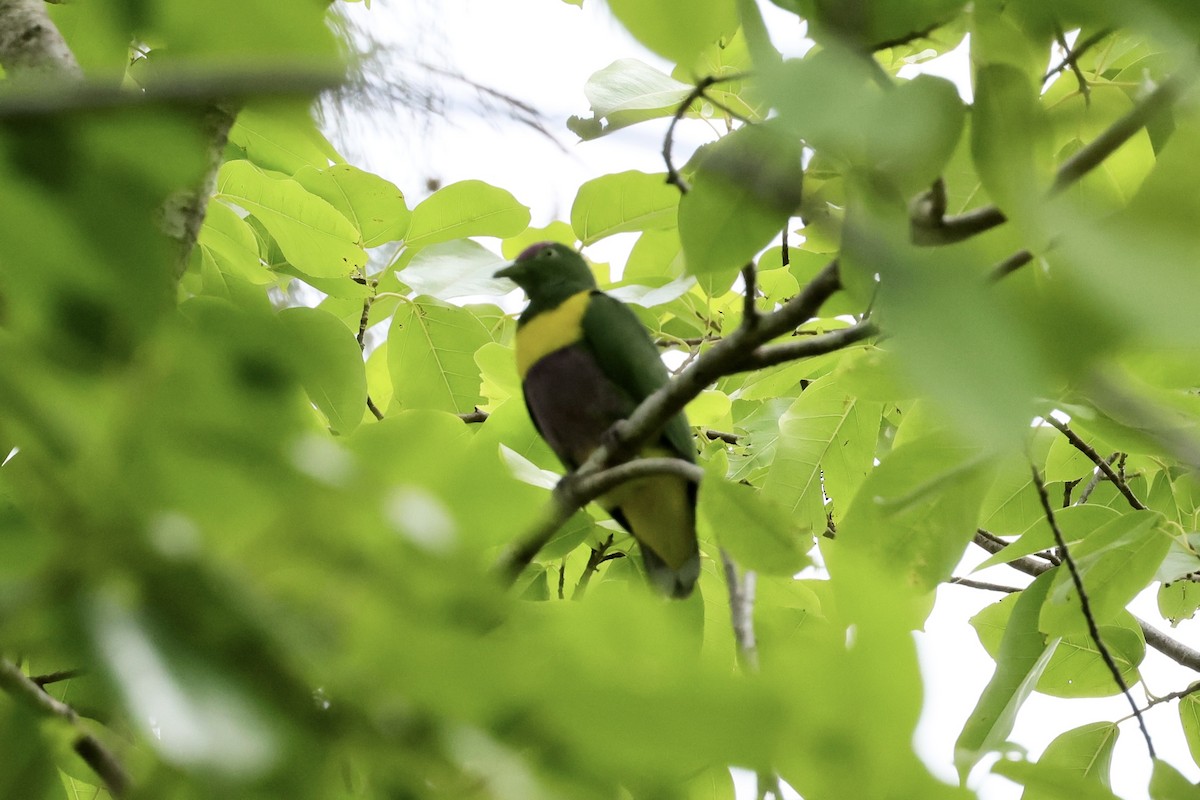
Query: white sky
{"type": "Point", "coordinates": [542, 52]}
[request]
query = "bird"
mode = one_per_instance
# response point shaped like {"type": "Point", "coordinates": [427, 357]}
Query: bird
{"type": "Point", "coordinates": [585, 362]}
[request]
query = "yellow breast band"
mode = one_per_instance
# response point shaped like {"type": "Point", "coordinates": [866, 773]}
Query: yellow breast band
{"type": "Point", "coordinates": [550, 331]}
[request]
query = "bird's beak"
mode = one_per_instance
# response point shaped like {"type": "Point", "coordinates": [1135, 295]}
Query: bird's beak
{"type": "Point", "coordinates": [510, 272]}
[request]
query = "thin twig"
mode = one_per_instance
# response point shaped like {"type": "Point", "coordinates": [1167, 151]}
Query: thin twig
{"type": "Point", "coordinates": [1097, 459]}
{"type": "Point", "coordinates": [990, 587]}
{"type": "Point", "coordinates": [702, 85]}
{"type": "Point", "coordinates": [1010, 265]}
{"type": "Point", "coordinates": [595, 559]}
{"type": "Point", "coordinates": [770, 355]}
{"type": "Point", "coordinates": [57, 677]}
{"type": "Point", "coordinates": [1072, 58]}
{"type": "Point", "coordinates": [1097, 475]}
{"type": "Point", "coordinates": [948, 230]}
{"type": "Point", "coordinates": [1085, 88]}
{"type": "Point", "coordinates": [1166, 698]}
{"type": "Point", "coordinates": [1085, 605]}
{"type": "Point", "coordinates": [577, 490]}
{"type": "Point", "coordinates": [94, 754]}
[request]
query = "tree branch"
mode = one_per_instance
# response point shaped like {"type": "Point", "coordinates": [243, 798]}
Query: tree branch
{"type": "Point", "coordinates": [31, 46]}
{"type": "Point", "coordinates": [749, 309]}
{"type": "Point", "coordinates": [1085, 606]}
{"type": "Point", "coordinates": [741, 611]}
{"type": "Point", "coordinates": [196, 89]}
{"type": "Point", "coordinates": [673, 176]}
{"type": "Point", "coordinates": [1092, 154]}
{"type": "Point", "coordinates": [1176, 651]}
{"type": "Point", "coordinates": [990, 587]}
{"type": "Point", "coordinates": [1073, 56]}
{"type": "Point", "coordinates": [595, 559]}
{"type": "Point", "coordinates": [93, 753]}
{"type": "Point", "coordinates": [928, 229]}
{"type": "Point", "coordinates": [1101, 463]}
{"type": "Point", "coordinates": [578, 489]}
{"type": "Point", "coordinates": [770, 355]}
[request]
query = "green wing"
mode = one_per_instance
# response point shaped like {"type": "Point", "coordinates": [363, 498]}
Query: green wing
{"type": "Point", "coordinates": [625, 353]}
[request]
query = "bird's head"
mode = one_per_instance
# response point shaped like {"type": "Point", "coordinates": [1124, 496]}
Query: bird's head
{"type": "Point", "coordinates": [549, 271]}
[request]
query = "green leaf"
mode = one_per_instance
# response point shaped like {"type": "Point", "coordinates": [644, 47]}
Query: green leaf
{"type": "Point", "coordinates": [1052, 781]}
{"type": "Point", "coordinates": [1066, 463]}
{"type": "Point", "coordinates": [466, 208]}
{"type": "Point", "coordinates": [280, 137]}
{"type": "Point", "coordinates": [925, 493]}
{"type": "Point", "coordinates": [1085, 752]}
{"type": "Point", "coordinates": [872, 25]}
{"type": "Point", "coordinates": [232, 244]}
{"type": "Point", "coordinates": [1078, 670]}
{"type": "Point", "coordinates": [758, 534]}
{"type": "Point", "coordinates": [26, 769]}
{"type": "Point", "coordinates": [1167, 783]}
{"type": "Point", "coordinates": [1189, 718]}
{"type": "Point", "coordinates": [372, 204]}
{"type": "Point", "coordinates": [330, 365]}
{"type": "Point", "coordinates": [1178, 601]}
{"type": "Point", "coordinates": [628, 91]}
{"type": "Point", "coordinates": [1010, 142]}
{"type": "Point", "coordinates": [454, 269]}
{"type": "Point", "coordinates": [917, 127]}
{"type": "Point", "coordinates": [313, 235]}
{"type": "Point", "coordinates": [622, 202]}
{"type": "Point", "coordinates": [1074, 523]}
{"type": "Point", "coordinates": [1115, 563]}
{"type": "Point", "coordinates": [677, 29]}
{"type": "Point", "coordinates": [826, 446]}
{"type": "Point", "coordinates": [431, 356]}
{"type": "Point", "coordinates": [1024, 654]}
{"type": "Point", "coordinates": [746, 187]}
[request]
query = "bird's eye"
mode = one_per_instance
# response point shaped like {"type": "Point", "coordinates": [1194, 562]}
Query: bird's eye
{"type": "Point", "coordinates": [546, 252]}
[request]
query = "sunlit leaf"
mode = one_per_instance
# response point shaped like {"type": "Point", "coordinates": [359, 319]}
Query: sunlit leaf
{"type": "Point", "coordinates": [313, 235]}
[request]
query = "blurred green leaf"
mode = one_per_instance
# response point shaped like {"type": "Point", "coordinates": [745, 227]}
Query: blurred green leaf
{"type": "Point", "coordinates": [1024, 655]}
{"type": "Point", "coordinates": [330, 365]}
{"type": "Point", "coordinates": [1167, 783]}
{"type": "Point", "coordinates": [676, 29]}
{"type": "Point", "coordinates": [745, 189]}
{"type": "Point", "coordinates": [758, 534]}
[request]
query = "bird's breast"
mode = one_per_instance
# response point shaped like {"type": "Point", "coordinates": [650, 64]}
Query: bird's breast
{"type": "Point", "coordinates": [573, 402]}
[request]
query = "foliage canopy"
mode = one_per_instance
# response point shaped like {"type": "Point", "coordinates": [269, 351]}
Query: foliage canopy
{"type": "Point", "coordinates": [275, 559]}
